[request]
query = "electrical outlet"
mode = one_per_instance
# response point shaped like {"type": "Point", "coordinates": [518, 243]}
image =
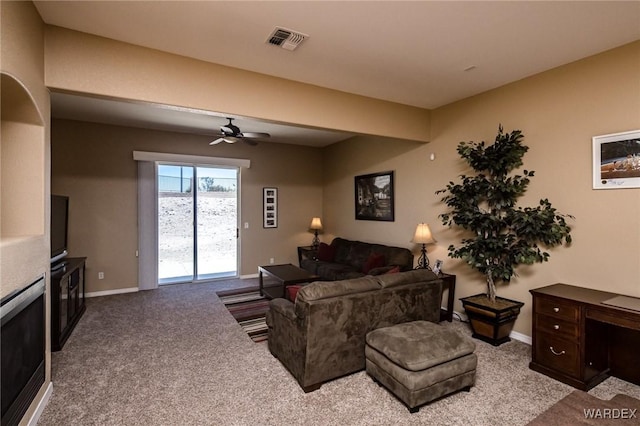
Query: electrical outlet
{"type": "Point", "coordinates": [246, 225]}
{"type": "Point", "coordinates": [101, 275]}
{"type": "Point", "coordinates": [272, 261]}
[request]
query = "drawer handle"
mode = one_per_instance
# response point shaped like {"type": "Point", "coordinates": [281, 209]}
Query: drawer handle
{"type": "Point", "coordinates": [556, 353]}
{"type": "Point", "coordinates": [556, 309]}
{"type": "Point", "coordinates": [556, 327]}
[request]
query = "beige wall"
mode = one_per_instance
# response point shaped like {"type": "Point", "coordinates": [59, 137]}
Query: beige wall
{"type": "Point", "coordinates": [558, 111]}
{"type": "Point", "coordinates": [24, 254]}
{"type": "Point", "coordinates": [93, 164]}
{"type": "Point", "coordinates": [85, 63]}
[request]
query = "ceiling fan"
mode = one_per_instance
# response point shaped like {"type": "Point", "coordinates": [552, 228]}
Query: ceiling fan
{"type": "Point", "coordinates": [230, 133]}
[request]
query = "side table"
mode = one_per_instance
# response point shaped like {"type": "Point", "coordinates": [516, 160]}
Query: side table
{"type": "Point", "coordinates": [284, 276]}
{"type": "Point", "coordinates": [449, 283]}
{"type": "Point", "coordinates": [306, 252]}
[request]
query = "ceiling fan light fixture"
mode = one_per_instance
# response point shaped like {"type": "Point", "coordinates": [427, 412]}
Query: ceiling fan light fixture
{"type": "Point", "coordinates": [230, 133]}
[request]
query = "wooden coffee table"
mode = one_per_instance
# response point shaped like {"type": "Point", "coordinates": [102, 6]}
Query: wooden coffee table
{"type": "Point", "coordinates": [274, 279]}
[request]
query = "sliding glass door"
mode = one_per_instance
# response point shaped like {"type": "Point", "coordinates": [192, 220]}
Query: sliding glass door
{"type": "Point", "coordinates": [197, 223]}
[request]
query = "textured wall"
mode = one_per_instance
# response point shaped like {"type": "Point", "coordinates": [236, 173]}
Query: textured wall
{"type": "Point", "coordinates": [93, 164]}
{"type": "Point", "coordinates": [558, 111]}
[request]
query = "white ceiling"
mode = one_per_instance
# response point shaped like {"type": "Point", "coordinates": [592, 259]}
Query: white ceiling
{"type": "Point", "coordinates": [420, 53]}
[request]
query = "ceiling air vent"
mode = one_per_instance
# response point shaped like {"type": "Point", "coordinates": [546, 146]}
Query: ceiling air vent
{"type": "Point", "coordinates": [287, 39]}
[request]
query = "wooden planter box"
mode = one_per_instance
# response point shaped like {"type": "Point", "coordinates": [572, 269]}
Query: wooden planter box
{"type": "Point", "coordinates": [491, 321]}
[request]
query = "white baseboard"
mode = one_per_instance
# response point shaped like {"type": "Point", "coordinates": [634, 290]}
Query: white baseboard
{"type": "Point", "coordinates": [111, 292]}
{"type": "Point", "coordinates": [514, 334]}
{"type": "Point", "coordinates": [246, 277]}
{"type": "Point", "coordinates": [463, 317]}
{"type": "Point", "coordinates": [35, 417]}
{"type": "Point", "coordinates": [521, 337]}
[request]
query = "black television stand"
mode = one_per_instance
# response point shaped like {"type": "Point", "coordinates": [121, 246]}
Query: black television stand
{"type": "Point", "coordinates": [67, 299]}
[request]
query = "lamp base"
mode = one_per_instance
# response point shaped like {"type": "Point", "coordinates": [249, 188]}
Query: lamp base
{"type": "Point", "coordinates": [423, 260]}
{"type": "Point", "coordinates": [316, 241]}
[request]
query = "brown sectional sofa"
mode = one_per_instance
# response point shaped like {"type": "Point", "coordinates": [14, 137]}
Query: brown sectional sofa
{"type": "Point", "coordinates": [345, 259]}
{"type": "Point", "coordinates": [322, 335]}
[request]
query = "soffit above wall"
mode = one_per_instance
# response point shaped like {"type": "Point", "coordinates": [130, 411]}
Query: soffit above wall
{"type": "Point", "coordinates": [422, 53]}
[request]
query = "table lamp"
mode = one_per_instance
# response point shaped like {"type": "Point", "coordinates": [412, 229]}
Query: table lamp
{"type": "Point", "coordinates": [316, 225]}
{"type": "Point", "coordinates": [423, 236]}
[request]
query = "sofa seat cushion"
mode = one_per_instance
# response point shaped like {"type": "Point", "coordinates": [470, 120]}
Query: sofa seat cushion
{"type": "Point", "coordinates": [419, 345]}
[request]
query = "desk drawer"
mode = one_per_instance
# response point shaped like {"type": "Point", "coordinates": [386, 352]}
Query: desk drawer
{"type": "Point", "coordinates": [558, 354]}
{"type": "Point", "coordinates": [557, 327]}
{"type": "Point", "coordinates": [558, 308]}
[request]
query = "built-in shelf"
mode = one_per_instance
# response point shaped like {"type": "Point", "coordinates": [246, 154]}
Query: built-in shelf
{"type": "Point", "coordinates": [23, 204]}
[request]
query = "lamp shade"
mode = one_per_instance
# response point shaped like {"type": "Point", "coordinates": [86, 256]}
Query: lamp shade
{"type": "Point", "coordinates": [316, 224]}
{"type": "Point", "coordinates": [423, 234]}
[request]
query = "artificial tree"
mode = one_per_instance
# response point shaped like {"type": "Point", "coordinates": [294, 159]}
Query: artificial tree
{"type": "Point", "coordinates": [504, 235]}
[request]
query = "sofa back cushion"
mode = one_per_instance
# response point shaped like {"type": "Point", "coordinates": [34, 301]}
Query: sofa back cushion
{"type": "Point", "coordinates": [413, 276]}
{"type": "Point", "coordinates": [356, 254]}
{"type": "Point", "coordinates": [326, 289]}
{"type": "Point", "coordinates": [342, 249]}
{"type": "Point", "coordinates": [320, 290]}
{"type": "Point", "coordinates": [326, 253]}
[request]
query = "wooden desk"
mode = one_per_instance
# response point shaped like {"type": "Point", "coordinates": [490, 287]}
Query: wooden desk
{"type": "Point", "coordinates": [581, 341]}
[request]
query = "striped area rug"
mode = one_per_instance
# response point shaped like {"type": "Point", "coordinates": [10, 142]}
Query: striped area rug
{"type": "Point", "coordinates": [249, 309]}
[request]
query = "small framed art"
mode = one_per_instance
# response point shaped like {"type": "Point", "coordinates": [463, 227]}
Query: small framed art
{"type": "Point", "coordinates": [616, 160]}
{"type": "Point", "coordinates": [374, 197]}
{"type": "Point", "coordinates": [437, 267]}
{"type": "Point", "coordinates": [270, 204]}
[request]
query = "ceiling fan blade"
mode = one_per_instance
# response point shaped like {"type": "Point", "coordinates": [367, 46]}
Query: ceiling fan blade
{"type": "Point", "coordinates": [230, 139]}
{"type": "Point", "coordinates": [249, 142]}
{"type": "Point", "coordinates": [226, 130]}
{"type": "Point", "coordinates": [255, 135]}
{"type": "Point", "coordinates": [217, 141]}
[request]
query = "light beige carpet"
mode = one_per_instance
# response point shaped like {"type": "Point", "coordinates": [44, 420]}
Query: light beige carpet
{"type": "Point", "coordinates": [175, 356]}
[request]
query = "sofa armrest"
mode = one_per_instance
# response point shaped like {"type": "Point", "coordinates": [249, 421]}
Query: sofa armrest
{"type": "Point", "coordinates": [288, 337]}
{"type": "Point", "coordinates": [283, 307]}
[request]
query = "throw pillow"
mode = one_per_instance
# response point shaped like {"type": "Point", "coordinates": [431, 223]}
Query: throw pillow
{"type": "Point", "coordinates": [394, 270]}
{"type": "Point", "coordinates": [375, 260]}
{"type": "Point", "coordinates": [326, 253]}
{"type": "Point", "coordinates": [292, 292]}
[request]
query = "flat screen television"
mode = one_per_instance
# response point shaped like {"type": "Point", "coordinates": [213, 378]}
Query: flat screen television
{"type": "Point", "coordinates": [59, 225]}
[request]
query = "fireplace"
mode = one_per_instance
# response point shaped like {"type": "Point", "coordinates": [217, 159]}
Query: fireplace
{"type": "Point", "coordinates": [22, 350]}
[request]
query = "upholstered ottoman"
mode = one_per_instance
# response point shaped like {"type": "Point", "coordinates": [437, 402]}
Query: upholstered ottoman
{"type": "Point", "coordinates": [420, 361]}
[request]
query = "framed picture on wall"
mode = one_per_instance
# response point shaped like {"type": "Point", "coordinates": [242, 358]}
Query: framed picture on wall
{"type": "Point", "coordinates": [616, 160]}
{"type": "Point", "coordinates": [270, 206]}
{"type": "Point", "coordinates": [374, 198]}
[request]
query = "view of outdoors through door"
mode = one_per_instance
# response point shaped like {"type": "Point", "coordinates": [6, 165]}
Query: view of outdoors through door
{"type": "Point", "coordinates": [197, 224]}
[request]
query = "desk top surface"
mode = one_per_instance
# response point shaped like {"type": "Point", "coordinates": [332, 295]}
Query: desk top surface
{"type": "Point", "coordinates": [583, 295]}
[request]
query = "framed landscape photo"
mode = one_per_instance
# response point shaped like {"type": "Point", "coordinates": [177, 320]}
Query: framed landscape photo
{"type": "Point", "coordinates": [374, 197]}
{"type": "Point", "coordinates": [270, 205]}
{"type": "Point", "coordinates": [616, 160]}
